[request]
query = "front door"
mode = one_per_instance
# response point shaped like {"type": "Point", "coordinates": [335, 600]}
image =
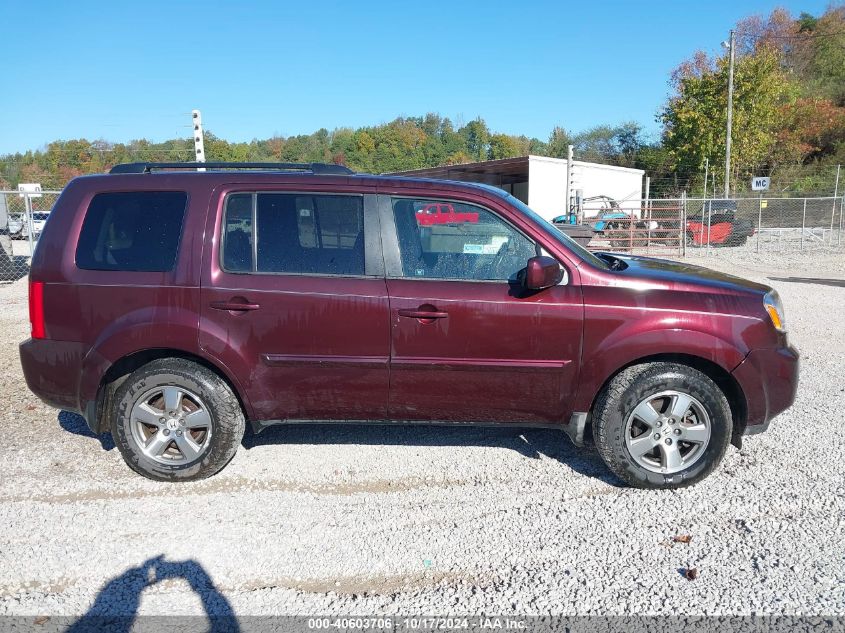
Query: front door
{"type": "Point", "coordinates": [294, 303]}
{"type": "Point", "coordinates": [467, 345]}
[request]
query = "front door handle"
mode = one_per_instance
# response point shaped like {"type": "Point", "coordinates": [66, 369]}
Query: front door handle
{"type": "Point", "coordinates": [423, 314]}
{"type": "Point", "coordinates": [234, 306]}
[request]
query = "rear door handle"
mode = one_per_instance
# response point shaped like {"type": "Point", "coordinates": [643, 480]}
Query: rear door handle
{"type": "Point", "coordinates": [423, 314]}
{"type": "Point", "coordinates": [234, 306]}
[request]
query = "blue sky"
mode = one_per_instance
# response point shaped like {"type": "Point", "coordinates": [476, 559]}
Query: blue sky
{"type": "Point", "coordinates": [126, 70]}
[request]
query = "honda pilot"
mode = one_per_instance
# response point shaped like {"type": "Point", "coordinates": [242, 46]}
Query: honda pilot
{"type": "Point", "coordinates": [173, 307]}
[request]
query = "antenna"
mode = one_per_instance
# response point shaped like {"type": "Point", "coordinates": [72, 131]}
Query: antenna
{"type": "Point", "coordinates": [199, 144]}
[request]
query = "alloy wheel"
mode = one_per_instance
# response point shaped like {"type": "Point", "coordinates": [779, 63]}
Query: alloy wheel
{"type": "Point", "coordinates": [667, 432]}
{"type": "Point", "coordinates": [171, 425]}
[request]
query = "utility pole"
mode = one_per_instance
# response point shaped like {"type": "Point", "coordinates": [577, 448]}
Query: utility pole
{"type": "Point", "coordinates": [199, 143]}
{"type": "Point", "coordinates": [731, 47]}
{"type": "Point", "coordinates": [568, 190]}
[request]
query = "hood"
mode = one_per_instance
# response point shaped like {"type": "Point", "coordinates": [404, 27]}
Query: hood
{"type": "Point", "coordinates": [680, 275]}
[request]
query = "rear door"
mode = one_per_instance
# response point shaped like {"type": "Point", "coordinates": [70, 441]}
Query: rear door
{"type": "Point", "coordinates": [467, 344]}
{"type": "Point", "coordinates": [294, 301]}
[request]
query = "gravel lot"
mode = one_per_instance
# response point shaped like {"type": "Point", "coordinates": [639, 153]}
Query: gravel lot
{"type": "Point", "coordinates": [364, 520]}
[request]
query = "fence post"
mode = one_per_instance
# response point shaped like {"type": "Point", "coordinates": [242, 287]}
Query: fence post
{"type": "Point", "coordinates": [648, 214]}
{"type": "Point", "coordinates": [759, 221]}
{"type": "Point", "coordinates": [683, 229]}
{"type": "Point", "coordinates": [841, 209]}
{"type": "Point", "coordinates": [709, 218]}
{"type": "Point", "coordinates": [803, 223]}
{"type": "Point", "coordinates": [835, 194]}
{"type": "Point", "coordinates": [28, 209]}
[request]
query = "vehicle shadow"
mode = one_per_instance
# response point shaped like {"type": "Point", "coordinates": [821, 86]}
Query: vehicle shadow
{"type": "Point", "coordinates": [116, 605]}
{"type": "Point", "coordinates": [75, 423]}
{"type": "Point", "coordinates": [531, 443]}
{"type": "Point", "coordinates": [811, 280]}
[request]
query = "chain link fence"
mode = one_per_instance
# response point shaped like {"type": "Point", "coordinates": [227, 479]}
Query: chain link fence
{"type": "Point", "coordinates": [696, 226]}
{"type": "Point", "coordinates": [22, 218]}
{"type": "Point", "coordinates": [669, 227]}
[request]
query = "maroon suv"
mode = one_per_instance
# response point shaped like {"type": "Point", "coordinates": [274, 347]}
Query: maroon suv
{"type": "Point", "coordinates": [170, 308]}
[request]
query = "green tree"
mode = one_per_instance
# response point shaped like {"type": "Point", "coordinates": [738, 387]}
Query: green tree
{"type": "Point", "coordinates": [477, 136]}
{"type": "Point", "coordinates": [505, 146]}
{"type": "Point", "coordinates": [559, 142]}
{"type": "Point", "coordinates": [694, 119]}
{"type": "Point", "coordinates": [826, 66]}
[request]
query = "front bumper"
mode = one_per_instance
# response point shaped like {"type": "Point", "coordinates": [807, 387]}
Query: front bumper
{"type": "Point", "coordinates": [769, 380]}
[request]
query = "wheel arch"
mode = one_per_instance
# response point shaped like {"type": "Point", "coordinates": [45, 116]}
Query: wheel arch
{"type": "Point", "coordinates": [719, 375]}
{"type": "Point", "coordinates": [120, 370]}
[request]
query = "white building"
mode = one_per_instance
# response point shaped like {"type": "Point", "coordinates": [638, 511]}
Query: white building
{"type": "Point", "coordinates": [540, 181]}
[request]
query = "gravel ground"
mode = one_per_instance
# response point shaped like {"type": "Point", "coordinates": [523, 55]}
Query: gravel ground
{"type": "Point", "coordinates": [367, 520]}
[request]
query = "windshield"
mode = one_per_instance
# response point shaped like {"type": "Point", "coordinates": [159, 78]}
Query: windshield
{"type": "Point", "coordinates": [550, 230]}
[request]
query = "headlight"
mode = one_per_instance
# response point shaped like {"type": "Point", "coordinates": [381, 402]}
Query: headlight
{"type": "Point", "coordinates": [774, 307]}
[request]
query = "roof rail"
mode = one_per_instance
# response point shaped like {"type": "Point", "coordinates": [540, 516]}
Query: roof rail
{"type": "Point", "coordinates": [314, 168]}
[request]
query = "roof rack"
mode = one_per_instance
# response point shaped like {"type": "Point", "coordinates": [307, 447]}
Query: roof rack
{"type": "Point", "coordinates": [314, 168]}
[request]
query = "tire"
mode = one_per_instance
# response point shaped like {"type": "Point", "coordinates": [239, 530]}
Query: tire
{"type": "Point", "coordinates": [182, 443]}
{"type": "Point", "coordinates": [682, 455]}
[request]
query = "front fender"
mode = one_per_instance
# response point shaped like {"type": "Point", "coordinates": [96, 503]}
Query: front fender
{"type": "Point", "coordinates": [606, 357]}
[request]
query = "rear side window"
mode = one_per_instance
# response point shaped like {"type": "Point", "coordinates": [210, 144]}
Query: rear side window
{"type": "Point", "coordinates": [294, 233]}
{"type": "Point", "coordinates": [132, 231]}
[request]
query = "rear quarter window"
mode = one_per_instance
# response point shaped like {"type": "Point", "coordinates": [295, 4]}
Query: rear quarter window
{"type": "Point", "coordinates": [132, 231]}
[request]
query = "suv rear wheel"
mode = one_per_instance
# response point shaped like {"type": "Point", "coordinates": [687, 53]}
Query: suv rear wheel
{"type": "Point", "coordinates": [662, 425]}
{"type": "Point", "coordinates": [176, 420]}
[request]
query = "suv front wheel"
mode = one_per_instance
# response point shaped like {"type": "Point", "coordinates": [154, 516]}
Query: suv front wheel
{"type": "Point", "coordinates": [176, 420]}
{"type": "Point", "coordinates": [662, 425]}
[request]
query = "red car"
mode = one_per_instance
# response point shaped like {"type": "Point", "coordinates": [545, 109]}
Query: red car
{"type": "Point", "coordinates": [443, 213]}
{"type": "Point", "coordinates": [174, 308]}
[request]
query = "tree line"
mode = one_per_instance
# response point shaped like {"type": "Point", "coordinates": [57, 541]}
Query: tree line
{"type": "Point", "coordinates": [788, 109]}
{"type": "Point", "coordinates": [402, 144]}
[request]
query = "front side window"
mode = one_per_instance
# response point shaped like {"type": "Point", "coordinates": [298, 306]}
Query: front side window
{"type": "Point", "coordinates": [468, 242]}
{"type": "Point", "coordinates": [131, 231]}
{"type": "Point", "coordinates": [294, 233]}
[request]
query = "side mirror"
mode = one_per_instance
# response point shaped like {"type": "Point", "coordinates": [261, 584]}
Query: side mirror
{"type": "Point", "coordinates": [542, 272]}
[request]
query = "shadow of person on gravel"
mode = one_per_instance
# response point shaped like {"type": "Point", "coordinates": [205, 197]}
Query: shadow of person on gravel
{"type": "Point", "coordinates": [116, 605]}
{"type": "Point", "coordinates": [532, 443]}
{"type": "Point", "coordinates": [75, 423]}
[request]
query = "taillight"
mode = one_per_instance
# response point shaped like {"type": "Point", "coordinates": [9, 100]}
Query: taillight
{"type": "Point", "coordinates": [36, 308]}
